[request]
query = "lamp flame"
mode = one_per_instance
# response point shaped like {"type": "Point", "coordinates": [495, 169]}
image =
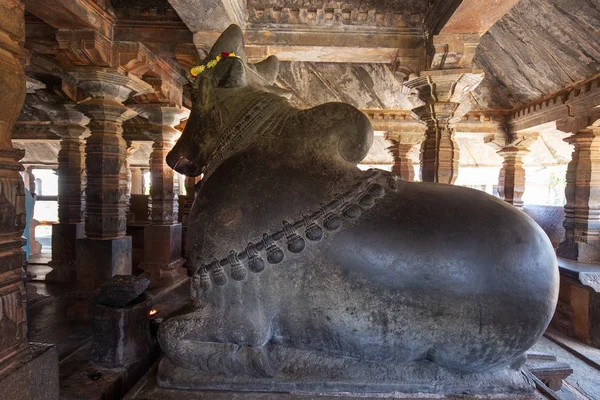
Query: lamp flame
{"type": "Point", "coordinates": [153, 312]}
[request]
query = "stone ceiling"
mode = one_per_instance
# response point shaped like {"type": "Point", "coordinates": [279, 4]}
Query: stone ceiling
{"type": "Point", "coordinates": [538, 47]}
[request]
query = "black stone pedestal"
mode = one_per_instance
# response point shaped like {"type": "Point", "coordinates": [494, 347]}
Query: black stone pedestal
{"type": "Point", "coordinates": [121, 334]}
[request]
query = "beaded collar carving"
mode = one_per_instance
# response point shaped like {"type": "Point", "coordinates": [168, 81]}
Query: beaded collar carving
{"type": "Point", "coordinates": [348, 206]}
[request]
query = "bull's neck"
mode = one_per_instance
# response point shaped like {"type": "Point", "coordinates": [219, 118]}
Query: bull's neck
{"type": "Point", "coordinates": [261, 114]}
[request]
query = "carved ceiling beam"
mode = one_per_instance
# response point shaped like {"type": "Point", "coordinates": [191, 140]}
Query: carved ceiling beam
{"type": "Point", "coordinates": [29, 131]}
{"type": "Point", "coordinates": [210, 15]}
{"type": "Point", "coordinates": [167, 80]}
{"type": "Point", "coordinates": [393, 121]}
{"type": "Point", "coordinates": [455, 41]}
{"type": "Point", "coordinates": [329, 44]}
{"type": "Point", "coordinates": [572, 108]}
{"type": "Point", "coordinates": [476, 16]}
{"type": "Point", "coordinates": [481, 122]}
{"type": "Point", "coordinates": [73, 14]}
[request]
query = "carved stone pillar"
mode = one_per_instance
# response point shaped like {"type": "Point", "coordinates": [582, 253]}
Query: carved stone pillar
{"type": "Point", "coordinates": [511, 180]}
{"type": "Point", "coordinates": [132, 148]}
{"type": "Point", "coordinates": [162, 238]}
{"type": "Point", "coordinates": [107, 250]}
{"type": "Point", "coordinates": [441, 98]}
{"type": "Point", "coordinates": [582, 211]}
{"type": "Point", "coordinates": [71, 201]}
{"type": "Point", "coordinates": [137, 182]}
{"type": "Point", "coordinates": [439, 156]}
{"type": "Point", "coordinates": [402, 143]}
{"type": "Point", "coordinates": [27, 370]}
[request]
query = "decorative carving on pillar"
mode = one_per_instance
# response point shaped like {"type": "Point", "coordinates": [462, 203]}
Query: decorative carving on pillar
{"type": "Point", "coordinates": [582, 211]}
{"type": "Point", "coordinates": [163, 203]}
{"type": "Point", "coordinates": [163, 237]}
{"type": "Point", "coordinates": [106, 152]}
{"type": "Point", "coordinates": [511, 180]}
{"type": "Point", "coordinates": [71, 165]}
{"type": "Point", "coordinates": [26, 370]}
{"type": "Point", "coordinates": [13, 326]}
{"type": "Point", "coordinates": [70, 126]}
{"type": "Point", "coordinates": [441, 98]}
{"type": "Point", "coordinates": [402, 143]}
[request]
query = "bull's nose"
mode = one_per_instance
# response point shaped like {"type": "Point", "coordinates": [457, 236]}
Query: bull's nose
{"type": "Point", "coordinates": [182, 165]}
{"type": "Point", "coordinates": [172, 159]}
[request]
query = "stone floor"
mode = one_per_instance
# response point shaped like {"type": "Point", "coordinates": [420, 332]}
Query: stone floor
{"type": "Point", "coordinates": [82, 381]}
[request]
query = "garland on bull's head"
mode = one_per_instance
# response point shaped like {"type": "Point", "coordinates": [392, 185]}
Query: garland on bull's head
{"type": "Point", "coordinates": [197, 70]}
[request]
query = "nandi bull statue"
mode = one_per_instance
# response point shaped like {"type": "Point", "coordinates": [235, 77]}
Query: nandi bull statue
{"type": "Point", "coordinates": [311, 275]}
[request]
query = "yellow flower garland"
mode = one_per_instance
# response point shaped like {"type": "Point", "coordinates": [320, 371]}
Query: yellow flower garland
{"type": "Point", "coordinates": [197, 70]}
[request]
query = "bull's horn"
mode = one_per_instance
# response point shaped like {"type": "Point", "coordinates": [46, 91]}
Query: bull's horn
{"type": "Point", "coordinates": [268, 68]}
{"type": "Point", "coordinates": [230, 41]}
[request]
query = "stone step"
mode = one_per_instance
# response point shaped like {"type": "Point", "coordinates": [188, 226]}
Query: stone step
{"type": "Point", "coordinates": [545, 367]}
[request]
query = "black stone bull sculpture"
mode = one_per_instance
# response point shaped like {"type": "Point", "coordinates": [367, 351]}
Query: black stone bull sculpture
{"type": "Point", "coordinates": [291, 244]}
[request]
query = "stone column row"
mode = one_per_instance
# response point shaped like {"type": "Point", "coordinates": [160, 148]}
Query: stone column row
{"type": "Point", "coordinates": [26, 369]}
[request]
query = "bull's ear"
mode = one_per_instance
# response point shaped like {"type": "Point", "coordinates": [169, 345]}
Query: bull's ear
{"type": "Point", "coordinates": [268, 69]}
{"type": "Point", "coordinates": [230, 41]}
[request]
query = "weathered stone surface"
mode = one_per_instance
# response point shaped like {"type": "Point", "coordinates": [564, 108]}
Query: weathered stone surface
{"type": "Point", "coordinates": [121, 334]}
{"type": "Point", "coordinates": [550, 219]}
{"type": "Point", "coordinates": [31, 374]}
{"type": "Point", "coordinates": [314, 374]}
{"type": "Point", "coordinates": [292, 245]}
{"type": "Point", "coordinates": [121, 290]}
{"type": "Point", "coordinates": [536, 49]}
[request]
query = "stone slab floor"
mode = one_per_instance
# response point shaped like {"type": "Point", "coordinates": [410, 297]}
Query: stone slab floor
{"type": "Point", "coordinates": [47, 323]}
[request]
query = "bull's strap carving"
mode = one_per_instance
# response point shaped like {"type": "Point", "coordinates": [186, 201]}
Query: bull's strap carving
{"type": "Point", "coordinates": [349, 205]}
{"type": "Point", "coordinates": [266, 113]}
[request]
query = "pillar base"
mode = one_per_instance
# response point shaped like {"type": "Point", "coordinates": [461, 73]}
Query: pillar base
{"type": "Point", "coordinates": [98, 260]}
{"type": "Point", "coordinates": [64, 252]}
{"type": "Point", "coordinates": [579, 251]}
{"type": "Point", "coordinates": [31, 374]}
{"type": "Point", "coordinates": [162, 254]}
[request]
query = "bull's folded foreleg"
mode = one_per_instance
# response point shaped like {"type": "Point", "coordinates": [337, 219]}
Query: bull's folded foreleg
{"type": "Point", "coordinates": [190, 341]}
